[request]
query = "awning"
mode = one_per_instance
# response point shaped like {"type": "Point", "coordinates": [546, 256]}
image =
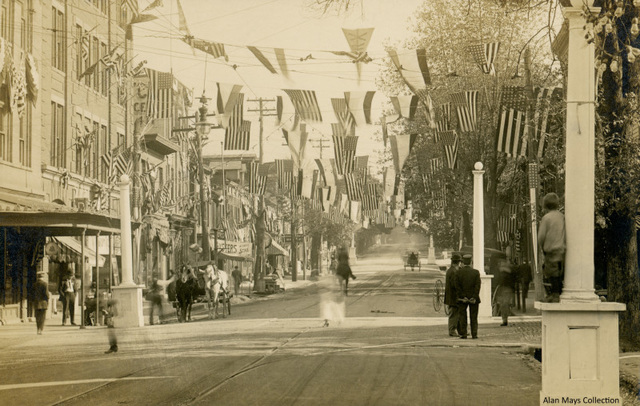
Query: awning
{"type": "Point", "coordinates": [276, 249]}
{"type": "Point", "coordinates": [75, 246]}
{"type": "Point", "coordinates": [232, 257]}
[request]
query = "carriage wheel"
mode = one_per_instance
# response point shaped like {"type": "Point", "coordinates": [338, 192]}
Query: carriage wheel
{"type": "Point", "coordinates": [438, 295]}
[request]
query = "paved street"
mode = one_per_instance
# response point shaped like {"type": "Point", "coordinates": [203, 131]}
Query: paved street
{"type": "Point", "coordinates": [392, 349]}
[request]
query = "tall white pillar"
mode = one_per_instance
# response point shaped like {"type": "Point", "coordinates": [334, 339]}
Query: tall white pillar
{"type": "Point", "coordinates": [478, 241]}
{"type": "Point", "coordinates": [128, 295]}
{"type": "Point", "coordinates": [125, 232]}
{"type": "Point", "coordinates": [580, 334]}
{"type": "Point", "coordinates": [580, 164]}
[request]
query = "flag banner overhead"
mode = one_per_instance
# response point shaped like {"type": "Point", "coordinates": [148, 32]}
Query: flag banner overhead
{"type": "Point", "coordinates": [543, 97]}
{"type": "Point", "coordinates": [160, 94]}
{"type": "Point", "coordinates": [226, 100]}
{"type": "Point", "coordinates": [343, 115]}
{"type": "Point", "coordinates": [237, 133]}
{"type": "Point", "coordinates": [445, 137]}
{"type": "Point", "coordinates": [358, 38]}
{"type": "Point", "coordinates": [400, 148]}
{"type": "Point", "coordinates": [412, 66]}
{"type": "Point", "coordinates": [284, 170]}
{"type": "Point", "coordinates": [272, 58]}
{"type": "Point", "coordinates": [560, 45]}
{"type": "Point", "coordinates": [297, 142]}
{"type": "Point", "coordinates": [355, 186]}
{"type": "Point", "coordinates": [405, 106]}
{"type": "Point", "coordinates": [327, 171]}
{"type": "Point", "coordinates": [309, 183]}
{"type": "Point", "coordinates": [362, 166]}
{"type": "Point", "coordinates": [359, 105]}
{"type": "Point", "coordinates": [484, 56]}
{"type": "Point", "coordinates": [257, 179]}
{"type": "Point", "coordinates": [337, 130]}
{"type": "Point", "coordinates": [305, 103]}
{"type": "Point", "coordinates": [451, 150]}
{"type": "Point", "coordinates": [512, 132]}
{"type": "Point", "coordinates": [466, 104]}
{"type": "Point", "coordinates": [345, 153]}
{"type": "Point", "coordinates": [214, 49]}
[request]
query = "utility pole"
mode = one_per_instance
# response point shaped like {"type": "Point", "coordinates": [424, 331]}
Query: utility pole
{"type": "Point", "coordinates": [258, 271]}
{"type": "Point", "coordinates": [533, 180]}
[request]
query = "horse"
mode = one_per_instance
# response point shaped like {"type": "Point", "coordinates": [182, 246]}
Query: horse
{"type": "Point", "coordinates": [216, 282]}
{"type": "Point", "coordinates": [186, 287]}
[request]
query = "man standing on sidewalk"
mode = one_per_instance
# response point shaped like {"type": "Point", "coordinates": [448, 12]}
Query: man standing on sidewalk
{"type": "Point", "coordinates": [467, 286]}
{"type": "Point", "coordinates": [450, 298]}
{"type": "Point", "coordinates": [236, 274]}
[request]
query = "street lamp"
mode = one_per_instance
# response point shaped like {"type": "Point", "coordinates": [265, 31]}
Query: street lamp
{"type": "Point", "coordinates": [202, 129]}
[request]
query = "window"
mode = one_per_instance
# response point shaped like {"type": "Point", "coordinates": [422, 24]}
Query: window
{"type": "Point", "coordinates": [79, 53]}
{"type": "Point", "coordinates": [58, 138]}
{"type": "Point", "coordinates": [77, 130]}
{"type": "Point", "coordinates": [5, 133]}
{"type": "Point", "coordinates": [121, 139]}
{"type": "Point", "coordinates": [19, 25]}
{"type": "Point", "coordinates": [58, 50]}
{"type": "Point", "coordinates": [105, 146]}
{"type": "Point", "coordinates": [87, 56]}
{"type": "Point", "coordinates": [96, 58]}
{"type": "Point", "coordinates": [5, 20]}
{"type": "Point", "coordinates": [104, 80]}
{"type": "Point", "coordinates": [95, 150]}
{"type": "Point", "coordinates": [25, 136]}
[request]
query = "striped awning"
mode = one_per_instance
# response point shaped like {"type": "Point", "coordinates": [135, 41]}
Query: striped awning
{"type": "Point", "coordinates": [276, 249]}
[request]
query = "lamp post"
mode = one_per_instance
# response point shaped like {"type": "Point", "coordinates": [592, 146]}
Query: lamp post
{"type": "Point", "coordinates": [202, 129]}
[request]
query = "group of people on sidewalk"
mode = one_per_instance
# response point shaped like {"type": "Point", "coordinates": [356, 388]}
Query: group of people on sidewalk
{"type": "Point", "coordinates": [462, 282]}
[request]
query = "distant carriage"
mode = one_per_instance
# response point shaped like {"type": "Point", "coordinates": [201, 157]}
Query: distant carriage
{"type": "Point", "coordinates": [412, 260]}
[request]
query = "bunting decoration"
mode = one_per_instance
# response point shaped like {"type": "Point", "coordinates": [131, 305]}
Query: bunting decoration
{"type": "Point", "coordinates": [326, 171]}
{"type": "Point", "coordinates": [154, 4]}
{"type": "Point", "coordinates": [343, 115]}
{"type": "Point", "coordinates": [18, 98]}
{"type": "Point", "coordinates": [309, 183]}
{"type": "Point", "coordinates": [214, 49]}
{"type": "Point", "coordinates": [466, 104]}
{"type": "Point", "coordinates": [275, 66]}
{"type": "Point", "coordinates": [359, 105]}
{"type": "Point", "coordinates": [400, 148]}
{"type": "Point", "coordinates": [560, 45]}
{"type": "Point", "coordinates": [284, 170]}
{"type": "Point", "coordinates": [508, 224]}
{"type": "Point", "coordinates": [122, 163]}
{"type": "Point", "coordinates": [226, 100]}
{"type": "Point", "coordinates": [444, 136]}
{"type": "Point", "coordinates": [305, 103]}
{"type": "Point", "coordinates": [412, 66]}
{"type": "Point", "coordinates": [133, 6]}
{"type": "Point", "coordinates": [33, 78]}
{"type": "Point", "coordinates": [258, 179]}
{"type": "Point", "coordinates": [484, 55]}
{"type": "Point", "coordinates": [405, 106]}
{"type": "Point", "coordinates": [297, 142]}
{"type": "Point", "coordinates": [345, 153]}
{"type": "Point", "coordinates": [182, 20]}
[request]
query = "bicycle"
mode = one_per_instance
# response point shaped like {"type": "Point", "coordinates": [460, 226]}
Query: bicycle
{"type": "Point", "coordinates": [438, 298]}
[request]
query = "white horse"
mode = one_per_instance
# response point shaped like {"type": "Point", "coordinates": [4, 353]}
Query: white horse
{"type": "Point", "coordinates": [216, 282]}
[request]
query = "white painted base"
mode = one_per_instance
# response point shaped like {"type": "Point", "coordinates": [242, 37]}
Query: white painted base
{"type": "Point", "coordinates": [352, 255]}
{"type": "Point", "coordinates": [580, 352]}
{"type": "Point", "coordinates": [129, 306]}
{"type": "Point", "coordinates": [484, 311]}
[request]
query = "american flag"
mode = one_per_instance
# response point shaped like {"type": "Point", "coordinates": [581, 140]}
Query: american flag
{"type": "Point", "coordinates": [512, 124]}
{"type": "Point", "coordinates": [345, 119]}
{"type": "Point", "coordinates": [122, 163]}
{"type": "Point", "coordinates": [355, 186]}
{"type": "Point", "coordinates": [451, 151]}
{"type": "Point", "coordinates": [560, 45]}
{"type": "Point", "coordinates": [466, 104]}
{"type": "Point", "coordinates": [484, 55]}
{"type": "Point", "coordinates": [345, 153]}
{"type": "Point", "coordinates": [257, 179]}
{"type": "Point", "coordinates": [160, 102]}
{"type": "Point", "coordinates": [370, 201]}
{"type": "Point", "coordinates": [237, 132]}
{"type": "Point", "coordinates": [214, 49]}
{"type": "Point", "coordinates": [305, 104]}
{"type": "Point", "coordinates": [544, 97]}
{"type": "Point", "coordinates": [284, 170]}
{"type": "Point", "coordinates": [445, 111]}
{"type": "Point", "coordinates": [444, 136]}
{"type": "Point", "coordinates": [362, 165]}
{"type": "Point", "coordinates": [165, 194]}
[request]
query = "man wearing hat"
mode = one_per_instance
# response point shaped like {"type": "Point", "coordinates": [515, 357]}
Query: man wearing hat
{"type": "Point", "coordinates": [450, 298]}
{"type": "Point", "coordinates": [467, 287]}
{"type": "Point", "coordinates": [41, 300]}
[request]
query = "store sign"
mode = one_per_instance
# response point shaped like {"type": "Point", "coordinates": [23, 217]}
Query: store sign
{"type": "Point", "coordinates": [238, 248]}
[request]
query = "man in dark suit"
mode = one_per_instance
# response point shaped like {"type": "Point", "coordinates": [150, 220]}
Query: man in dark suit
{"type": "Point", "coordinates": [467, 287]}
{"type": "Point", "coordinates": [450, 297]}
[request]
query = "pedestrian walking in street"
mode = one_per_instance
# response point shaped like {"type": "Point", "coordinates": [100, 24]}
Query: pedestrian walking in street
{"type": "Point", "coordinates": [41, 300]}
{"type": "Point", "coordinates": [552, 240]}
{"type": "Point", "coordinates": [467, 287]}
{"type": "Point", "coordinates": [450, 297]}
{"type": "Point", "coordinates": [110, 312]}
{"type": "Point", "coordinates": [66, 289]}
{"type": "Point", "coordinates": [333, 266]}
{"type": "Point", "coordinates": [344, 271]}
{"type": "Point", "coordinates": [507, 283]}
{"type": "Point", "coordinates": [155, 297]}
{"type": "Point", "coordinates": [236, 274]}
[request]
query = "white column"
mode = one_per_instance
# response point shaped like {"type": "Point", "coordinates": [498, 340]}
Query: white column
{"type": "Point", "coordinates": [125, 232]}
{"type": "Point", "coordinates": [431, 259]}
{"type": "Point", "coordinates": [127, 295]}
{"type": "Point", "coordinates": [478, 241]}
{"type": "Point", "coordinates": [580, 164]}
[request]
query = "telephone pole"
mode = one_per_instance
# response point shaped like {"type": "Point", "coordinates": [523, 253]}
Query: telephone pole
{"type": "Point", "coordinates": [322, 144]}
{"type": "Point", "coordinates": [258, 271]}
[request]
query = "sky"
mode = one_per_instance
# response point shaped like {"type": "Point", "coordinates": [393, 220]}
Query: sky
{"type": "Point", "coordinates": [288, 24]}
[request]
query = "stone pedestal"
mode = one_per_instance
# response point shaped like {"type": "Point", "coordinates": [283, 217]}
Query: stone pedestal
{"type": "Point", "coordinates": [431, 259]}
{"type": "Point", "coordinates": [580, 352]}
{"type": "Point", "coordinates": [129, 305]}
